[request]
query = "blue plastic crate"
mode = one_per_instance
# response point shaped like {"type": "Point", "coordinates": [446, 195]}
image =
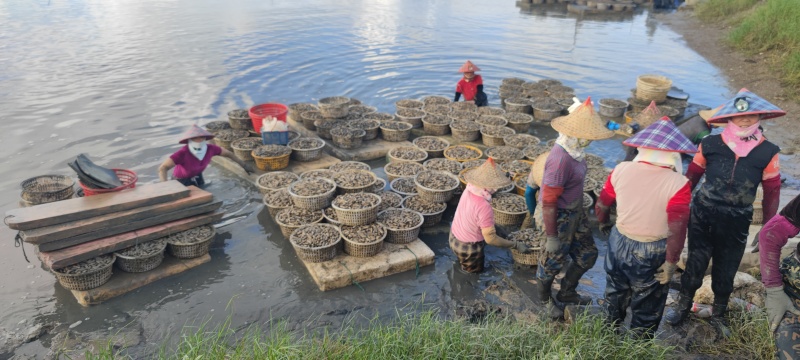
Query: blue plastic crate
{"type": "Point", "coordinates": [275, 137]}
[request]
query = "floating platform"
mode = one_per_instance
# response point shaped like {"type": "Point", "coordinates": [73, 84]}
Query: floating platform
{"type": "Point", "coordinates": [370, 150]}
{"type": "Point", "coordinates": [123, 282]}
{"type": "Point", "coordinates": [344, 269]}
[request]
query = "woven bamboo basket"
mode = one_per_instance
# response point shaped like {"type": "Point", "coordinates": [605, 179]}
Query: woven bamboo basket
{"type": "Point", "coordinates": [362, 109]}
{"type": "Point", "coordinates": [588, 201]}
{"type": "Point", "coordinates": [390, 157]}
{"type": "Point", "coordinates": [432, 153]}
{"type": "Point", "coordinates": [354, 217]}
{"type": "Point", "coordinates": [652, 87]}
{"type": "Point", "coordinates": [357, 249]}
{"type": "Point", "coordinates": [305, 155]}
{"type": "Point", "coordinates": [462, 115]}
{"type": "Point", "coordinates": [550, 82]}
{"type": "Point", "coordinates": [464, 135]}
{"type": "Point", "coordinates": [436, 125]}
{"type": "Point", "coordinates": [296, 109]}
{"type": "Point", "coordinates": [546, 112]}
{"type": "Point", "coordinates": [502, 217]}
{"type": "Point", "coordinates": [348, 165]}
{"type": "Point", "coordinates": [320, 253]}
{"type": "Point", "coordinates": [429, 219]}
{"type": "Point", "coordinates": [266, 189]}
{"type": "Point", "coordinates": [495, 140]}
{"type": "Point", "coordinates": [513, 81]}
{"type": "Point", "coordinates": [612, 108]}
{"type": "Point", "coordinates": [324, 127]}
{"type": "Point", "coordinates": [215, 126]}
{"type": "Point", "coordinates": [401, 236]}
{"type": "Point", "coordinates": [140, 264]}
{"type": "Point", "coordinates": [438, 109]}
{"type": "Point", "coordinates": [370, 127]}
{"type": "Point", "coordinates": [287, 229]}
{"type": "Point", "coordinates": [464, 106]}
{"type": "Point", "coordinates": [380, 185]}
{"type": "Point", "coordinates": [313, 202]}
{"type": "Point", "coordinates": [533, 86]}
{"type": "Point", "coordinates": [589, 185]}
{"type": "Point", "coordinates": [518, 105]}
{"type": "Point", "coordinates": [394, 187]}
{"type": "Point", "coordinates": [330, 218]}
{"type": "Point", "coordinates": [240, 123]}
{"type": "Point", "coordinates": [509, 189]}
{"type": "Point", "coordinates": [235, 133]}
{"type": "Point", "coordinates": [434, 195]}
{"type": "Point", "coordinates": [431, 164]}
{"type": "Point", "coordinates": [461, 178]}
{"type": "Point", "coordinates": [669, 111]}
{"type": "Point", "coordinates": [491, 111]}
{"type": "Point", "coordinates": [408, 104]}
{"type": "Point", "coordinates": [317, 173]}
{"type": "Point", "coordinates": [392, 174]}
{"type": "Point", "coordinates": [507, 167]}
{"type": "Point", "coordinates": [411, 116]}
{"type": "Point", "coordinates": [273, 210]}
{"type": "Point", "coordinates": [380, 117]}
{"type": "Point", "coordinates": [47, 188]}
{"type": "Point", "coordinates": [364, 188]}
{"type": "Point", "coordinates": [436, 100]}
{"type": "Point", "coordinates": [243, 148]}
{"type": "Point", "coordinates": [394, 203]}
{"type": "Point", "coordinates": [530, 259]}
{"type": "Point", "coordinates": [520, 189]}
{"type": "Point", "coordinates": [520, 122]}
{"type": "Point", "coordinates": [492, 120]}
{"type": "Point", "coordinates": [345, 138]}
{"type": "Point", "coordinates": [191, 251]}
{"type": "Point", "coordinates": [521, 141]}
{"type": "Point", "coordinates": [309, 118]}
{"type": "Point", "coordinates": [85, 281]}
{"type": "Point", "coordinates": [396, 135]}
{"type": "Point", "coordinates": [512, 153]}
{"type": "Point", "coordinates": [334, 107]}
{"type": "Point", "coordinates": [452, 148]}
{"type": "Point", "coordinates": [271, 163]}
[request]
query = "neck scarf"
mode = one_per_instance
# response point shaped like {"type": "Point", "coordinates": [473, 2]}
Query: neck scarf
{"type": "Point", "coordinates": [660, 158]}
{"type": "Point", "coordinates": [742, 140]}
{"type": "Point", "coordinates": [572, 146]}
{"type": "Point", "coordinates": [485, 194]}
{"type": "Point", "coordinates": [198, 149]}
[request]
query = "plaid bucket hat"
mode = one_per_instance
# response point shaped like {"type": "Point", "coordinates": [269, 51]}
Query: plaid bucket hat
{"type": "Point", "coordinates": [746, 103]}
{"type": "Point", "coordinates": [662, 135]}
{"type": "Point", "coordinates": [193, 132]}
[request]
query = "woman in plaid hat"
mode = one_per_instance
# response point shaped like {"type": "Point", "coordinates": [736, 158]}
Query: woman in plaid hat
{"type": "Point", "coordinates": [644, 246]}
{"type": "Point", "coordinates": [471, 85]}
{"type": "Point", "coordinates": [191, 160]}
{"type": "Point", "coordinates": [735, 163]}
{"type": "Point", "coordinates": [473, 223]}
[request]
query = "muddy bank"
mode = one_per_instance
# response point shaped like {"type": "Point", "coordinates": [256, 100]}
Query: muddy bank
{"type": "Point", "coordinates": [743, 70]}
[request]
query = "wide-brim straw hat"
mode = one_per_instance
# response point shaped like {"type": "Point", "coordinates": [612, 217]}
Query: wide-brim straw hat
{"type": "Point", "coordinates": [583, 123]}
{"type": "Point", "coordinates": [708, 114]}
{"type": "Point", "coordinates": [469, 67]}
{"type": "Point", "coordinates": [662, 135]}
{"type": "Point", "coordinates": [193, 132]}
{"type": "Point", "coordinates": [746, 103]}
{"type": "Point", "coordinates": [538, 168]}
{"type": "Point", "coordinates": [648, 116]}
{"type": "Point", "coordinates": [487, 176]}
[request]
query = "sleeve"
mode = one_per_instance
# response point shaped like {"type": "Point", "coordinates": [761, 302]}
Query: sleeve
{"type": "Point", "coordinates": [459, 89]}
{"type": "Point", "coordinates": [214, 150]}
{"type": "Point", "coordinates": [555, 171]}
{"type": "Point", "coordinates": [178, 156]}
{"type": "Point", "coordinates": [772, 195]}
{"type": "Point", "coordinates": [773, 236]}
{"type": "Point", "coordinates": [773, 169]}
{"type": "Point", "coordinates": [697, 168]}
{"type": "Point", "coordinates": [677, 222]}
{"type": "Point", "coordinates": [479, 80]}
{"type": "Point", "coordinates": [607, 198]}
{"type": "Point", "coordinates": [485, 216]}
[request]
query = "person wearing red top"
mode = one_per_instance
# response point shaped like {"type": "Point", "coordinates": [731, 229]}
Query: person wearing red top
{"type": "Point", "coordinates": [734, 163]}
{"type": "Point", "coordinates": [644, 245]}
{"type": "Point", "coordinates": [470, 85]}
{"type": "Point", "coordinates": [190, 161]}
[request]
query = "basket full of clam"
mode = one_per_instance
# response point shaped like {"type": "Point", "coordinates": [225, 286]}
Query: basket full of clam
{"type": "Point", "coordinates": [192, 243]}
{"type": "Point", "coordinates": [509, 209]}
{"type": "Point", "coordinates": [435, 186]}
{"type": "Point", "coordinates": [356, 208]}
{"type": "Point", "coordinates": [402, 225]}
{"type": "Point", "coordinates": [316, 242]}
{"type": "Point", "coordinates": [363, 240]}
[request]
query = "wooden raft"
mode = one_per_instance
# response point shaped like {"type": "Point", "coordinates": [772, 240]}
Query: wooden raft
{"type": "Point", "coordinates": [123, 282]}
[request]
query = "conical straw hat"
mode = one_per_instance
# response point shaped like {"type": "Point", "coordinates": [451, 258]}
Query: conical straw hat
{"type": "Point", "coordinates": [648, 116]}
{"type": "Point", "coordinates": [193, 132]}
{"type": "Point", "coordinates": [487, 176]}
{"type": "Point", "coordinates": [538, 168]}
{"type": "Point", "coordinates": [746, 103]}
{"type": "Point", "coordinates": [469, 67]}
{"type": "Point", "coordinates": [583, 123]}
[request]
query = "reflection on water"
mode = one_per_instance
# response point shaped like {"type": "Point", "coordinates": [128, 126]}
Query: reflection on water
{"type": "Point", "coordinates": [119, 80]}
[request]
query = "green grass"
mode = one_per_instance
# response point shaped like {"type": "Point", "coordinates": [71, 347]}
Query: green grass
{"type": "Point", "coordinates": [713, 10]}
{"type": "Point", "coordinates": [750, 338]}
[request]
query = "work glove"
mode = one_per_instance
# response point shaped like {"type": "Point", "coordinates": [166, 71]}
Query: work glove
{"type": "Point", "coordinates": [552, 244]}
{"type": "Point", "coordinates": [522, 247]}
{"type": "Point", "coordinates": [606, 228]}
{"type": "Point", "coordinates": [778, 304]}
{"type": "Point", "coordinates": [754, 244]}
{"type": "Point", "coordinates": [665, 272]}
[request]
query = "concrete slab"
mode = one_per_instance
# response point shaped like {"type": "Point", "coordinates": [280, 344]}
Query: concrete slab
{"type": "Point", "coordinates": [370, 150]}
{"type": "Point", "coordinates": [122, 282]}
{"type": "Point", "coordinates": [344, 269]}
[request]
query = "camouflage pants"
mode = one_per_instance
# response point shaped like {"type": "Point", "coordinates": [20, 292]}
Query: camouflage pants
{"type": "Point", "coordinates": [576, 242]}
{"type": "Point", "coordinates": [469, 254]}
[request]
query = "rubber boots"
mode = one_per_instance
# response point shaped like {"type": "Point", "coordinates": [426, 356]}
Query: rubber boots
{"type": "Point", "coordinates": [680, 312]}
{"type": "Point", "coordinates": [527, 223]}
{"type": "Point", "coordinates": [719, 322]}
{"type": "Point", "coordinates": [543, 289]}
{"type": "Point", "coordinates": [568, 294]}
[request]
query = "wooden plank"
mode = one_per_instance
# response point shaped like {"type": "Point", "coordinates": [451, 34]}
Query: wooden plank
{"type": "Point", "coordinates": [66, 230]}
{"type": "Point", "coordinates": [130, 226]}
{"type": "Point", "coordinates": [392, 259]}
{"type": "Point", "coordinates": [122, 283]}
{"type": "Point", "coordinates": [75, 254]}
{"type": "Point", "coordinates": [90, 206]}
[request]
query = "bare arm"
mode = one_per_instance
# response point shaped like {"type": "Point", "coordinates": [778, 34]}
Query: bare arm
{"type": "Point", "coordinates": [164, 169]}
{"type": "Point", "coordinates": [230, 155]}
{"type": "Point", "coordinates": [491, 237]}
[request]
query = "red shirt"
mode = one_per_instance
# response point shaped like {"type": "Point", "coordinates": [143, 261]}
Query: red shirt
{"type": "Point", "coordinates": [187, 166]}
{"type": "Point", "coordinates": [469, 88]}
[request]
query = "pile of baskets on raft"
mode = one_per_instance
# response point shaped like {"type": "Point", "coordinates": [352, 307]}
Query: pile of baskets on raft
{"type": "Point", "coordinates": [544, 99]}
{"type": "Point", "coordinates": [655, 88]}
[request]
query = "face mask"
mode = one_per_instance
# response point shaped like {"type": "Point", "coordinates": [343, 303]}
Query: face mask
{"type": "Point", "coordinates": [744, 132]}
{"type": "Point", "coordinates": [198, 149]}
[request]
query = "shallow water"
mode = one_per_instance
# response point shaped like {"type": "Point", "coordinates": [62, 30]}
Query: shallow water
{"type": "Point", "coordinates": [120, 80]}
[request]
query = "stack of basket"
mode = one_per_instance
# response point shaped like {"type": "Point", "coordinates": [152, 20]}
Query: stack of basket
{"type": "Point", "coordinates": [651, 87]}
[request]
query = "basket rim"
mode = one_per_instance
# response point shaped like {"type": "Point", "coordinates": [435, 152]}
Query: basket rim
{"type": "Point", "coordinates": [333, 222]}
{"type": "Point", "coordinates": [120, 256]}
{"type": "Point", "coordinates": [405, 124]}
{"type": "Point", "coordinates": [484, 127]}
{"type": "Point", "coordinates": [391, 186]}
{"type": "Point", "coordinates": [287, 225]}
{"type": "Point", "coordinates": [425, 164]}
{"type": "Point", "coordinates": [403, 204]}
{"type": "Point", "coordinates": [447, 143]}
{"type": "Point", "coordinates": [292, 193]}
{"type": "Point", "coordinates": [403, 161]}
{"type": "Point", "coordinates": [374, 177]}
{"type": "Point", "coordinates": [414, 147]}
{"type": "Point", "coordinates": [360, 132]}
{"type": "Point", "coordinates": [113, 259]}
{"type": "Point", "coordinates": [53, 176]}
{"type": "Point", "coordinates": [319, 141]}
{"type": "Point", "coordinates": [233, 143]}
{"type": "Point", "coordinates": [510, 212]}
{"type": "Point", "coordinates": [449, 120]}
{"type": "Point", "coordinates": [423, 113]}
{"type": "Point", "coordinates": [253, 154]}
{"type": "Point", "coordinates": [470, 147]}
{"type": "Point", "coordinates": [385, 232]}
{"type": "Point", "coordinates": [209, 238]}
{"type": "Point", "coordinates": [528, 118]}
{"type": "Point", "coordinates": [258, 182]}
{"type": "Point", "coordinates": [333, 101]}
{"type": "Point", "coordinates": [449, 174]}
{"type": "Point", "coordinates": [421, 219]}
{"type": "Point", "coordinates": [318, 247]}
{"type": "Point", "coordinates": [335, 207]}
{"type": "Point", "coordinates": [376, 122]}
{"type": "Point", "coordinates": [264, 201]}
{"type": "Point", "coordinates": [613, 107]}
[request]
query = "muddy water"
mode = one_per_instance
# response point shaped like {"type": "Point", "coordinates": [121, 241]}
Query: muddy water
{"type": "Point", "coordinates": [120, 80]}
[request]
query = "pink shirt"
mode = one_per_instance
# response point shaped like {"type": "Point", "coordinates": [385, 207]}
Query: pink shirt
{"type": "Point", "coordinates": [774, 235]}
{"type": "Point", "coordinates": [187, 166]}
{"type": "Point", "coordinates": [473, 214]}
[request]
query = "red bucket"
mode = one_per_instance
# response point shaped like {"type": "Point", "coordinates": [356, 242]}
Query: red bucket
{"type": "Point", "coordinates": [259, 112]}
{"type": "Point", "coordinates": [127, 177]}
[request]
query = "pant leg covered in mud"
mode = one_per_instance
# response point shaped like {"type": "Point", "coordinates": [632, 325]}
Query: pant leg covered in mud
{"type": "Point", "coordinates": [787, 338]}
{"type": "Point", "coordinates": [576, 242]}
{"type": "Point", "coordinates": [718, 233]}
{"type": "Point", "coordinates": [469, 254]}
{"type": "Point", "coordinates": [630, 280]}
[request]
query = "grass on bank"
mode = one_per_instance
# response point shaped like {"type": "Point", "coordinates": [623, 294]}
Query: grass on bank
{"type": "Point", "coordinates": [770, 27]}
